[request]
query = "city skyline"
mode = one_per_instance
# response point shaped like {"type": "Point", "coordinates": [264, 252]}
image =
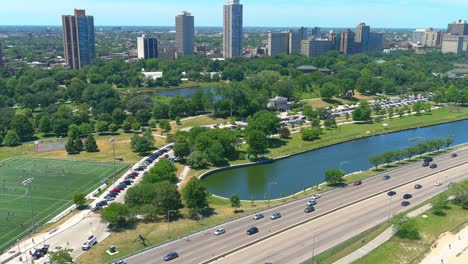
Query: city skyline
{"type": "Point", "coordinates": [382, 14]}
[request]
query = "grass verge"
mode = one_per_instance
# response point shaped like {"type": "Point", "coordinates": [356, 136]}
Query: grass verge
{"type": "Point", "coordinates": [398, 250]}
{"type": "Point", "coordinates": [342, 250]}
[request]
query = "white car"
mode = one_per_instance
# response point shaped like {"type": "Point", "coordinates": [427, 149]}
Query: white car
{"type": "Point", "coordinates": [89, 243]}
{"type": "Point", "coordinates": [311, 202]}
{"type": "Point", "coordinates": [438, 183]}
{"type": "Point", "coordinates": [275, 216]}
{"type": "Point", "coordinates": [219, 231]}
{"type": "Point", "coordinates": [258, 216]}
{"type": "Point", "coordinates": [315, 196]}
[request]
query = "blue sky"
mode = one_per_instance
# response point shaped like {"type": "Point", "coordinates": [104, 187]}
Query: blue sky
{"type": "Point", "coordinates": [283, 13]}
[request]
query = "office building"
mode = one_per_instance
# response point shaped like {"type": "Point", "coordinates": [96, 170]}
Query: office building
{"type": "Point", "coordinates": [147, 47]}
{"type": "Point", "coordinates": [303, 33]}
{"type": "Point", "coordinates": [376, 41]}
{"type": "Point", "coordinates": [347, 42]}
{"type": "Point", "coordinates": [185, 34]}
{"type": "Point", "coordinates": [459, 27]}
{"type": "Point", "coordinates": [78, 39]}
{"type": "Point", "coordinates": [284, 42]}
{"type": "Point", "coordinates": [232, 29]}
{"type": "Point", "coordinates": [362, 38]}
{"type": "Point", "coordinates": [316, 47]}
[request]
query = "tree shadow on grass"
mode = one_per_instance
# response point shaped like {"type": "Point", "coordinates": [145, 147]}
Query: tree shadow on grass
{"type": "Point", "coordinates": [131, 225]}
{"type": "Point", "coordinates": [276, 143]}
{"type": "Point", "coordinates": [332, 101]}
{"type": "Point", "coordinates": [350, 98]}
{"type": "Point", "coordinates": [338, 185]}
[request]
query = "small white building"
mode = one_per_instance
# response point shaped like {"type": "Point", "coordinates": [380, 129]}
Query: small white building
{"type": "Point", "coordinates": [279, 103]}
{"type": "Point", "coordinates": [152, 75]}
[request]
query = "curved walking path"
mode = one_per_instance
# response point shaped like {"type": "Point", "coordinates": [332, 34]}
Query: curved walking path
{"type": "Point", "coordinates": [379, 240]}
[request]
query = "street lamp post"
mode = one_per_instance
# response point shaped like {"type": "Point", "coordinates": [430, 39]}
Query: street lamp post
{"type": "Point", "coordinates": [343, 162]}
{"type": "Point", "coordinates": [29, 182]}
{"type": "Point", "coordinates": [389, 208]}
{"type": "Point", "coordinates": [112, 140]}
{"type": "Point", "coordinates": [168, 221]}
{"type": "Point", "coordinates": [446, 181]}
{"type": "Point", "coordinates": [269, 191]}
{"type": "Point", "coordinates": [313, 248]}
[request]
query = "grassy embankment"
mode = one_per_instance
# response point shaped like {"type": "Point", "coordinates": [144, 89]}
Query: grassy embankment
{"type": "Point", "coordinates": [354, 131]}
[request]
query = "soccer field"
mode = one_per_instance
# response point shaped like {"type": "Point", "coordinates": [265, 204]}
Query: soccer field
{"type": "Point", "coordinates": [53, 183]}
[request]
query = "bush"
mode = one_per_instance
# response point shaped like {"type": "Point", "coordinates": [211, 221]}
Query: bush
{"type": "Point", "coordinates": [284, 132]}
{"type": "Point", "coordinates": [311, 134]}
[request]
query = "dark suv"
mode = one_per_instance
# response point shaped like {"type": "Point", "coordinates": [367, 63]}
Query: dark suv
{"type": "Point", "coordinates": [252, 231]}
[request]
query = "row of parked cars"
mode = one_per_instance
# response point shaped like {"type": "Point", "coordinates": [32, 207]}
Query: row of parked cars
{"type": "Point", "coordinates": [126, 182]}
{"type": "Point", "coordinates": [129, 178]}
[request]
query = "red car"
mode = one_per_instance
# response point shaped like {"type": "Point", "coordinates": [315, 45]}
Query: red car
{"type": "Point", "coordinates": [357, 183]}
{"type": "Point", "coordinates": [115, 190]}
{"type": "Point", "coordinates": [134, 173]}
{"type": "Point", "coordinates": [166, 156]}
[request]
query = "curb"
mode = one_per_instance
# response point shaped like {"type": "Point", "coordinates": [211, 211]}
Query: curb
{"type": "Point", "coordinates": [321, 215]}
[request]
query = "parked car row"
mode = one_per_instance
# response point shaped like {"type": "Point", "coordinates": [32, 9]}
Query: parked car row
{"type": "Point", "coordinates": [129, 178]}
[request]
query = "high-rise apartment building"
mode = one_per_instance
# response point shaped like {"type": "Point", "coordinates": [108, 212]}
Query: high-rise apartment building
{"type": "Point", "coordinates": [347, 41]}
{"type": "Point", "coordinates": [316, 47]}
{"type": "Point", "coordinates": [432, 38]}
{"type": "Point", "coordinates": [303, 33]}
{"type": "Point", "coordinates": [278, 42]}
{"type": "Point", "coordinates": [335, 39]}
{"type": "Point", "coordinates": [459, 27]}
{"type": "Point", "coordinates": [78, 39]}
{"type": "Point", "coordinates": [316, 32]}
{"type": "Point", "coordinates": [418, 36]}
{"type": "Point", "coordinates": [185, 34]}
{"type": "Point", "coordinates": [362, 37]}
{"type": "Point", "coordinates": [455, 44]}
{"type": "Point", "coordinates": [284, 42]}
{"type": "Point", "coordinates": [376, 41]}
{"type": "Point", "coordinates": [232, 29]}
{"type": "Point", "coordinates": [147, 47]}
{"type": "Point", "coordinates": [294, 42]}
{"type": "Point", "coordinates": [167, 50]}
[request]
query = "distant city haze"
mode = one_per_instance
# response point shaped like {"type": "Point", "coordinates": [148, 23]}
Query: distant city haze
{"type": "Point", "coordinates": [261, 13]}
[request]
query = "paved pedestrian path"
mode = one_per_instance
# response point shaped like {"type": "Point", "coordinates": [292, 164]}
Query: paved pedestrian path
{"type": "Point", "coordinates": [379, 240]}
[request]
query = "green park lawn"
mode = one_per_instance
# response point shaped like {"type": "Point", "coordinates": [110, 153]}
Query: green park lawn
{"type": "Point", "coordinates": [53, 183]}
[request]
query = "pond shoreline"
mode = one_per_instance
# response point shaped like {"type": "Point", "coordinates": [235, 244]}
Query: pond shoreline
{"type": "Point", "coordinates": [272, 160]}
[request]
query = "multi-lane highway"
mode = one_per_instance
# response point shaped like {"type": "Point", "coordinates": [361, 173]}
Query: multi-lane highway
{"type": "Point", "coordinates": [360, 210]}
